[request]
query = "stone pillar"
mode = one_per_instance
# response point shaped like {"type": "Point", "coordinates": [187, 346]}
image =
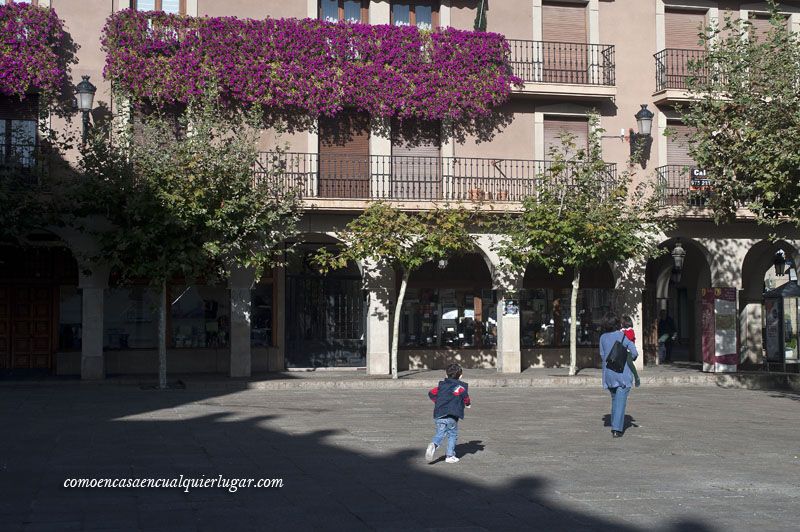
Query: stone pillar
{"type": "Point", "coordinates": [379, 283]}
{"type": "Point", "coordinates": [93, 282]}
{"type": "Point", "coordinates": [241, 284]}
{"type": "Point", "coordinates": [509, 355]}
{"type": "Point", "coordinates": [276, 360]}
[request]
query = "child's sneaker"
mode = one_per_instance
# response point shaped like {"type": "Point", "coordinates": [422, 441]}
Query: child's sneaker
{"type": "Point", "coordinates": [430, 451]}
{"type": "Point", "coordinates": [451, 460]}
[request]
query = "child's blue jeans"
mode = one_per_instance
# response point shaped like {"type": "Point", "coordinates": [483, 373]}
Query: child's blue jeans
{"type": "Point", "coordinates": [446, 426]}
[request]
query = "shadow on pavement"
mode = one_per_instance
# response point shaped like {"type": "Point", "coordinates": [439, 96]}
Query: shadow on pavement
{"type": "Point", "coordinates": [123, 432]}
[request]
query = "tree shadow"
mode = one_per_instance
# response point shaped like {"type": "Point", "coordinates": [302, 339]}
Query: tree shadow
{"type": "Point", "coordinates": [108, 431]}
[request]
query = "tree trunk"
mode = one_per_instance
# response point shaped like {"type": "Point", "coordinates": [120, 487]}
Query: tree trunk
{"type": "Point", "coordinates": [162, 336]}
{"type": "Point", "coordinates": [573, 324]}
{"type": "Point", "coordinates": [398, 307]}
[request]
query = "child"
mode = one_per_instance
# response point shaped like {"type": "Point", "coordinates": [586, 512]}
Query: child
{"type": "Point", "coordinates": [627, 329]}
{"type": "Point", "coordinates": [450, 398]}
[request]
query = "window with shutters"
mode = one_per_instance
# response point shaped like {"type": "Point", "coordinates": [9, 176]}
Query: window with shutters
{"type": "Point", "coordinates": [416, 159]}
{"type": "Point", "coordinates": [760, 25]}
{"type": "Point", "coordinates": [346, 10]}
{"type": "Point", "coordinates": [18, 131]}
{"type": "Point", "coordinates": [683, 46]}
{"type": "Point", "coordinates": [177, 7]}
{"type": "Point", "coordinates": [678, 145]}
{"type": "Point", "coordinates": [344, 162]}
{"type": "Point", "coordinates": [556, 127]}
{"type": "Point", "coordinates": [422, 14]}
{"type": "Point", "coordinates": [564, 54]}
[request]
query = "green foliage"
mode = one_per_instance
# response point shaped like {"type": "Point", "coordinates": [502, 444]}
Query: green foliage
{"type": "Point", "coordinates": [180, 198]}
{"type": "Point", "coordinates": [401, 240]}
{"type": "Point", "coordinates": [746, 118]}
{"type": "Point", "coordinates": [583, 214]}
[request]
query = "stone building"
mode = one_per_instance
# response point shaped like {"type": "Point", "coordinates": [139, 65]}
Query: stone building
{"type": "Point", "coordinates": [574, 56]}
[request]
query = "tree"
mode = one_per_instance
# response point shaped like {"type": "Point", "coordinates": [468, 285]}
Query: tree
{"type": "Point", "coordinates": [181, 199]}
{"type": "Point", "coordinates": [745, 115]}
{"type": "Point", "coordinates": [403, 241]}
{"type": "Point", "coordinates": [581, 215]}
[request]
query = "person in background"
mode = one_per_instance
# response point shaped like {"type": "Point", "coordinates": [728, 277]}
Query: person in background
{"type": "Point", "coordinates": [666, 334]}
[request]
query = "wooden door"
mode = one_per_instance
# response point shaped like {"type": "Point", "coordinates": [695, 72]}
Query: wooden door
{"type": "Point", "coordinates": [564, 53]}
{"type": "Point", "coordinates": [344, 163]}
{"type": "Point", "coordinates": [31, 327]}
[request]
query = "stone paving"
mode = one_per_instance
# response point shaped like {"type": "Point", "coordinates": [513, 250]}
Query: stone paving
{"type": "Point", "coordinates": [694, 458]}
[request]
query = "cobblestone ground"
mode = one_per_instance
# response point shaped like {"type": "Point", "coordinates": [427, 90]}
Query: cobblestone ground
{"type": "Point", "coordinates": [694, 459]}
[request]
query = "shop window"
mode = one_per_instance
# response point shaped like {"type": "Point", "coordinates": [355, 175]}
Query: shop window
{"type": "Point", "coordinates": [422, 14]}
{"type": "Point", "coordinates": [346, 10]}
{"type": "Point", "coordinates": [70, 319]}
{"type": "Point", "coordinates": [545, 315]}
{"type": "Point", "coordinates": [131, 318]}
{"type": "Point", "coordinates": [200, 317]}
{"type": "Point", "coordinates": [448, 318]}
{"type": "Point", "coordinates": [261, 309]}
{"type": "Point", "coordinates": [167, 6]}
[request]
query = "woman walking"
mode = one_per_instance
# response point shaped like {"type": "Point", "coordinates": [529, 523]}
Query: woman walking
{"type": "Point", "coordinates": [618, 383]}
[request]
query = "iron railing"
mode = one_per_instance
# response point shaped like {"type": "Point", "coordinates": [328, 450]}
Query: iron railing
{"type": "Point", "coordinates": [23, 165]}
{"type": "Point", "coordinates": [674, 68]}
{"type": "Point", "coordinates": [682, 186]}
{"type": "Point", "coordinates": [563, 62]}
{"type": "Point", "coordinates": [410, 178]}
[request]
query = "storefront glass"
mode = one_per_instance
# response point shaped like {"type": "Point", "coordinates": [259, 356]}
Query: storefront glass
{"type": "Point", "coordinates": [261, 334]}
{"type": "Point", "coordinates": [200, 316]}
{"type": "Point", "coordinates": [446, 317]}
{"type": "Point", "coordinates": [131, 318]}
{"type": "Point", "coordinates": [70, 319]}
{"type": "Point", "coordinates": [545, 315]}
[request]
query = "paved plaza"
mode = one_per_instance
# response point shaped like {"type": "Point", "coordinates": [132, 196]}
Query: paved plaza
{"type": "Point", "coordinates": [695, 458]}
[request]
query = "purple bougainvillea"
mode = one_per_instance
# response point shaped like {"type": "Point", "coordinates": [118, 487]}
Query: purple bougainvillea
{"type": "Point", "coordinates": [30, 39]}
{"type": "Point", "coordinates": [309, 65]}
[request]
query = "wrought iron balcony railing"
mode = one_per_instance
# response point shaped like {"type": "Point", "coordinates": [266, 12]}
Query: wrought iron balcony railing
{"type": "Point", "coordinates": [410, 178]}
{"type": "Point", "coordinates": [674, 67]}
{"type": "Point", "coordinates": [23, 165]}
{"type": "Point", "coordinates": [682, 186]}
{"type": "Point", "coordinates": [563, 62]}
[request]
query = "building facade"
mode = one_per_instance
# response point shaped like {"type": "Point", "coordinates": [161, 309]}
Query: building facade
{"type": "Point", "coordinates": [574, 56]}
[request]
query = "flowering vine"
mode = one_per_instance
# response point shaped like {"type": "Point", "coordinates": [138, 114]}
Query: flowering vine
{"type": "Point", "coordinates": [308, 65]}
{"type": "Point", "coordinates": [30, 40]}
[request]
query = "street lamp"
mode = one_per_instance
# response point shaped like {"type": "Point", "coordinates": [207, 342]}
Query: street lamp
{"type": "Point", "coordinates": [442, 264]}
{"type": "Point", "coordinates": [779, 261]}
{"type": "Point", "coordinates": [678, 254]}
{"type": "Point", "coordinates": [85, 96]}
{"type": "Point", "coordinates": [644, 120]}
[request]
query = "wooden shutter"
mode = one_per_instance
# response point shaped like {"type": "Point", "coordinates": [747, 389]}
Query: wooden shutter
{"type": "Point", "coordinates": [761, 26]}
{"type": "Point", "coordinates": [344, 169]}
{"type": "Point", "coordinates": [678, 145]}
{"type": "Point", "coordinates": [564, 22]}
{"type": "Point", "coordinates": [554, 127]}
{"type": "Point", "coordinates": [682, 28]}
{"type": "Point", "coordinates": [416, 160]}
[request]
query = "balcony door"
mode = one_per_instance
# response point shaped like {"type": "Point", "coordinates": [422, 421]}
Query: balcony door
{"type": "Point", "coordinates": [682, 39]}
{"type": "Point", "coordinates": [344, 162]}
{"type": "Point", "coordinates": [556, 126]}
{"type": "Point", "coordinates": [564, 54]}
{"type": "Point", "coordinates": [416, 160]}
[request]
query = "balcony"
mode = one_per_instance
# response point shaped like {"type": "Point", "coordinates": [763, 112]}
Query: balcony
{"type": "Point", "coordinates": [566, 70]}
{"type": "Point", "coordinates": [680, 186]}
{"type": "Point", "coordinates": [346, 182]}
{"type": "Point", "coordinates": [673, 68]}
{"type": "Point", "coordinates": [23, 165]}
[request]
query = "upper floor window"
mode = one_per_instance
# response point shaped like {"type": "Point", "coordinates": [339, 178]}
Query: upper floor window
{"type": "Point", "coordinates": [347, 10]}
{"type": "Point", "coordinates": [177, 7]}
{"type": "Point", "coordinates": [420, 13]}
{"type": "Point", "coordinates": [761, 25]}
{"type": "Point", "coordinates": [18, 130]}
